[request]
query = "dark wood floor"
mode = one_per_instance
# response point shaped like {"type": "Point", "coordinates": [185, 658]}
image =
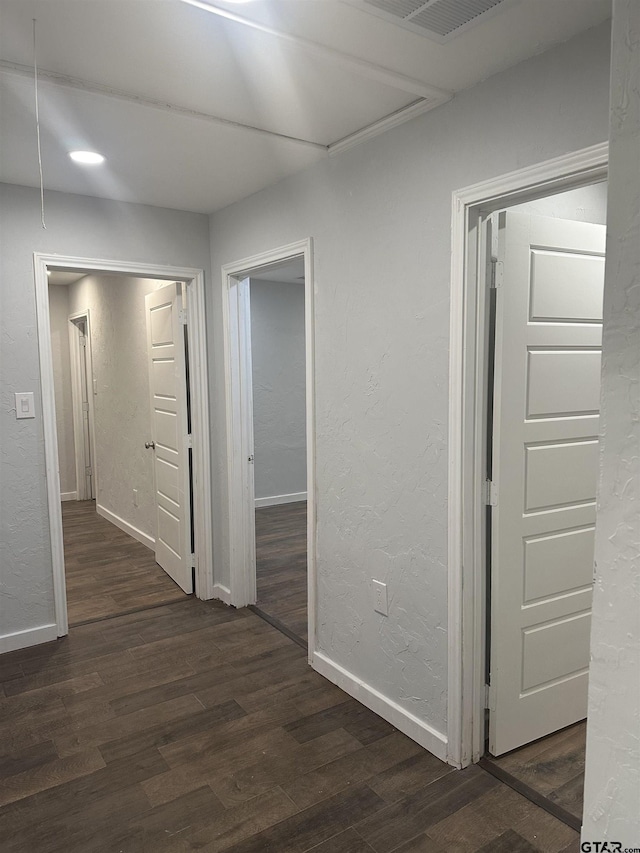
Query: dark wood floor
{"type": "Point", "coordinates": [552, 766]}
{"type": "Point", "coordinates": [281, 561]}
{"type": "Point", "coordinates": [195, 726]}
{"type": "Point", "coordinates": [107, 572]}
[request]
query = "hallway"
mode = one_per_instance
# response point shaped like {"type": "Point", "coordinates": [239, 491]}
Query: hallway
{"type": "Point", "coordinates": [195, 726]}
{"type": "Point", "coordinates": [107, 572]}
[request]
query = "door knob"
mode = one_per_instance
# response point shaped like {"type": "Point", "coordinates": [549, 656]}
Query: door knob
{"type": "Point", "coordinates": [149, 444]}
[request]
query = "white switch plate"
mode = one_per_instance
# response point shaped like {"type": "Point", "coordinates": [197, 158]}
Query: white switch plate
{"type": "Point", "coordinates": [25, 405]}
{"type": "Point", "coordinates": [380, 600]}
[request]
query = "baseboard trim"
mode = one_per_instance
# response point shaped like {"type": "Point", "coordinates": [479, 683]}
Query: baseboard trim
{"type": "Point", "coordinates": [222, 593]}
{"type": "Point", "coordinates": [30, 637]}
{"type": "Point", "coordinates": [274, 500]}
{"type": "Point", "coordinates": [68, 496]}
{"type": "Point", "coordinates": [147, 540]}
{"type": "Point", "coordinates": [406, 722]}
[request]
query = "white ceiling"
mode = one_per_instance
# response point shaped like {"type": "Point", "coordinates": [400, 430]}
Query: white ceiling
{"type": "Point", "coordinates": [63, 278]}
{"type": "Point", "coordinates": [288, 272]}
{"type": "Point", "coordinates": [147, 83]}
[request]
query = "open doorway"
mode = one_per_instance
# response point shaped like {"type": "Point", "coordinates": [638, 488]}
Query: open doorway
{"type": "Point", "coordinates": [268, 304]}
{"type": "Point", "coordinates": [125, 414]}
{"type": "Point", "coordinates": [120, 380]}
{"type": "Point", "coordinates": [544, 336]}
{"type": "Point", "coordinates": [276, 297]}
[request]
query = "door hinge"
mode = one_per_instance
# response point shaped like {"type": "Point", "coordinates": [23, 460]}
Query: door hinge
{"type": "Point", "coordinates": [490, 493]}
{"type": "Point", "coordinates": [497, 274]}
{"type": "Point", "coordinates": [193, 561]}
{"type": "Point", "coordinates": [82, 340]}
{"type": "Point", "coordinates": [88, 471]}
{"type": "Point", "coordinates": [182, 316]}
{"type": "Point", "coordinates": [85, 407]}
{"type": "Point", "coordinates": [189, 441]}
{"type": "Point", "coordinates": [489, 698]}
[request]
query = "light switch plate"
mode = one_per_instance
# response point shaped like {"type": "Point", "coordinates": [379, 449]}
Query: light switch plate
{"type": "Point", "coordinates": [25, 405]}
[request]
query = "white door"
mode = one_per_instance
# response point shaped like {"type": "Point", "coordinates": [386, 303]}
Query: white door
{"type": "Point", "coordinates": [545, 462]}
{"type": "Point", "coordinates": [169, 439]}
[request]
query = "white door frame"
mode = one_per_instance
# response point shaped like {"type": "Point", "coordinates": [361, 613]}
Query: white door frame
{"type": "Point", "coordinates": [238, 388]}
{"type": "Point", "coordinates": [76, 396]}
{"type": "Point", "coordinates": [199, 410]}
{"type": "Point", "coordinates": [467, 404]}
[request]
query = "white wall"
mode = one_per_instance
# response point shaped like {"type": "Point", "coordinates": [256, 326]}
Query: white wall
{"type": "Point", "coordinates": [59, 313]}
{"type": "Point", "coordinates": [278, 360]}
{"type": "Point", "coordinates": [586, 204]}
{"type": "Point", "coordinates": [121, 404]}
{"type": "Point", "coordinates": [84, 227]}
{"type": "Point", "coordinates": [380, 219]}
{"type": "Point", "coordinates": [612, 783]}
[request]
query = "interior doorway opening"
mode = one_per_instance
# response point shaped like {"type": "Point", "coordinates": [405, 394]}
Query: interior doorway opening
{"type": "Point", "coordinates": [472, 495]}
{"type": "Point", "coordinates": [121, 360]}
{"type": "Point", "coordinates": [544, 285]}
{"type": "Point", "coordinates": [128, 333]}
{"type": "Point", "coordinates": [82, 394]}
{"type": "Point", "coordinates": [278, 378]}
{"type": "Point", "coordinates": [268, 323]}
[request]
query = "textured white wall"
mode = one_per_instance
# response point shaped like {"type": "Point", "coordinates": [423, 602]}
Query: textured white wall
{"type": "Point", "coordinates": [59, 313]}
{"type": "Point", "coordinates": [278, 357]}
{"type": "Point", "coordinates": [84, 227]}
{"type": "Point", "coordinates": [121, 405]}
{"type": "Point", "coordinates": [380, 219]}
{"type": "Point", "coordinates": [586, 204]}
{"type": "Point", "coordinates": [612, 784]}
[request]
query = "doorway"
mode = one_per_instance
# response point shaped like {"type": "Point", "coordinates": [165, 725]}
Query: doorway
{"type": "Point", "coordinates": [544, 321]}
{"type": "Point", "coordinates": [128, 535]}
{"type": "Point", "coordinates": [268, 314]}
{"type": "Point", "coordinates": [178, 317]}
{"type": "Point", "coordinates": [277, 333]}
{"type": "Point", "coordinates": [549, 194]}
{"type": "Point", "coordinates": [82, 393]}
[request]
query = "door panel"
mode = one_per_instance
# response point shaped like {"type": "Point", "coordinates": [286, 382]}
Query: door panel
{"type": "Point", "coordinates": [167, 381]}
{"type": "Point", "coordinates": [545, 462]}
{"type": "Point", "coordinates": [557, 563]}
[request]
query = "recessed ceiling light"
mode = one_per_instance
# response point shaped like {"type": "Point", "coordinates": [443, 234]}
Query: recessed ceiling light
{"type": "Point", "coordinates": [88, 158]}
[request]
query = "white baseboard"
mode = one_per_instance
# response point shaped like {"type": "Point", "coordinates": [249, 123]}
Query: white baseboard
{"type": "Point", "coordinates": [274, 500]}
{"type": "Point", "coordinates": [68, 496]}
{"type": "Point", "coordinates": [30, 637]}
{"type": "Point", "coordinates": [410, 725]}
{"type": "Point", "coordinates": [147, 540]}
{"type": "Point", "coordinates": [222, 593]}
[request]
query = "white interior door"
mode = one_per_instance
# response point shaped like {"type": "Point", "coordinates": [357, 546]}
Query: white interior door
{"type": "Point", "coordinates": [169, 440]}
{"type": "Point", "coordinates": [545, 462]}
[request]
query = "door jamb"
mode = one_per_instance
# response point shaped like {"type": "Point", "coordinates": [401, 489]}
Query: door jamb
{"type": "Point", "coordinates": [76, 395]}
{"type": "Point", "coordinates": [466, 604]}
{"type": "Point", "coordinates": [200, 411]}
{"type": "Point", "coordinates": [242, 568]}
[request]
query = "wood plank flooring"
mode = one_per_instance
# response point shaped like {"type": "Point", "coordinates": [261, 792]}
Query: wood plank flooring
{"type": "Point", "coordinates": [197, 727]}
{"type": "Point", "coordinates": [281, 563]}
{"type": "Point", "coordinates": [552, 766]}
{"type": "Point", "coordinates": [108, 572]}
